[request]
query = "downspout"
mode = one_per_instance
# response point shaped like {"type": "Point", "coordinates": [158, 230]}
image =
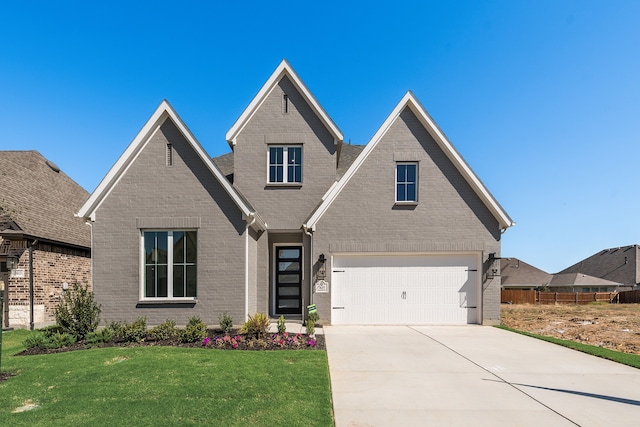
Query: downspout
{"type": "Point", "coordinates": [31, 322]}
{"type": "Point", "coordinates": [246, 266]}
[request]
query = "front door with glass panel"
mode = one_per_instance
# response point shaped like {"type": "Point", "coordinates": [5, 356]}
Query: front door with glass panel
{"type": "Point", "coordinates": [288, 279]}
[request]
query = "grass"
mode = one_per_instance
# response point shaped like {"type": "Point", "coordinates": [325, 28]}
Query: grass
{"type": "Point", "coordinates": [616, 356]}
{"type": "Point", "coordinates": [165, 386]}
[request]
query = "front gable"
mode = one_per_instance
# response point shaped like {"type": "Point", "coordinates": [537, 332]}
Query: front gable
{"type": "Point", "coordinates": [285, 150]}
{"type": "Point", "coordinates": [448, 192]}
{"type": "Point", "coordinates": [165, 121]}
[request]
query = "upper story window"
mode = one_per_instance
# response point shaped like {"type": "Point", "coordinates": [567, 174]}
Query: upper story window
{"type": "Point", "coordinates": [285, 164]}
{"type": "Point", "coordinates": [406, 182]}
{"type": "Point", "coordinates": [170, 264]}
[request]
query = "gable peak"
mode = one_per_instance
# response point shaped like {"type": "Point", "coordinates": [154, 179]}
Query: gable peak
{"type": "Point", "coordinates": [283, 69]}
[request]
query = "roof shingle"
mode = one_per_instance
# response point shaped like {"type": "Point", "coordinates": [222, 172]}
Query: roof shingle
{"type": "Point", "coordinates": [40, 199]}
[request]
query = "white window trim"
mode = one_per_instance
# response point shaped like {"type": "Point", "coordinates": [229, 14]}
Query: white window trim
{"type": "Point", "coordinates": [395, 187]}
{"type": "Point", "coordinates": [285, 164]}
{"type": "Point", "coordinates": [169, 297]}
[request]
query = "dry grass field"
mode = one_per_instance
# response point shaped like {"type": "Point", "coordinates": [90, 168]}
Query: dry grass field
{"type": "Point", "coordinates": [612, 326]}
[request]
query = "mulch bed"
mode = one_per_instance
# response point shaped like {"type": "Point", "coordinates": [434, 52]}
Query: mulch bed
{"type": "Point", "coordinates": [271, 341]}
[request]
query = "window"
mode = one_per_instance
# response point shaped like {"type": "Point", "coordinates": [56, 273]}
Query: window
{"type": "Point", "coordinates": [285, 164]}
{"type": "Point", "coordinates": [170, 260]}
{"type": "Point", "coordinates": [406, 182]}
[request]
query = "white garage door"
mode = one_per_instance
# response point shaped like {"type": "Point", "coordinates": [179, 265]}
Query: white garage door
{"type": "Point", "coordinates": [405, 289]}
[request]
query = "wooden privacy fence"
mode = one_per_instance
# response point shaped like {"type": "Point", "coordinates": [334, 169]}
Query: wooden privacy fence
{"type": "Point", "coordinates": [520, 296]}
{"type": "Point", "coordinates": [629, 297]}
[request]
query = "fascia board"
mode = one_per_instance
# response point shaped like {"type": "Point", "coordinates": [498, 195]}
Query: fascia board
{"type": "Point", "coordinates": [246, 210]}
{"type": "Point", "coordinates": [163, 112]}
{"type": "Point", "coordinates": [284, 69]}
{"type": "Point", "coordinates": [409, 100]}
{"type": "Point", "coordinates": [459, 162]}
{"type": "Point", "coordinates": [117, 170]}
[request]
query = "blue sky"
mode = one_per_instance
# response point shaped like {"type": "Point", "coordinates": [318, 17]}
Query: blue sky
{"type": "Point", "coordinates": [542, 98]}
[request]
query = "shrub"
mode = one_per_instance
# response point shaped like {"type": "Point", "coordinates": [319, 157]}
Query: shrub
{"type": "Point", "coordinates": [59, 340]}
{"type": "Point", "coordinates": [78, 313]}
{"type": "Point", "coordinates": [164, 331]}
{"type": "Point", "coordinates": [196, 330]}
{"type": "Point", "coordinates": [282, 326]}
{"type": "Point", "coordinates": [104, 335]}
{"type": "Point", "coordinates": [50, 330]}
{"type": "Point", "coordinates": [226, 322]}
{"type": "Point", "coordinates": [35, 339]}
{"type": "Point", "coordinates": [310, 324]}
{"type": "Point", "coordinates": [257, 325]}
{"type": "Point", "coordinates": [130, 332]}
{"type": "Point", "coordinates": [47, 339]}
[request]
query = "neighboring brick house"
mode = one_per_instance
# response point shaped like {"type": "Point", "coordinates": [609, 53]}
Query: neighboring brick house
{"type": "Point", "coordinates": [619, 265]}
{"type": "Point", "coordinates": [400, 231]}
{"type": "Point", "coordinates": [40, 234]}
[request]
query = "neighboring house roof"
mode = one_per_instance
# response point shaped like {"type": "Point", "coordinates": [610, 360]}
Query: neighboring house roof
{"type": "Point", "coordinates": [621, 265]}
{"type": "Point", "coordinates": [38, 200]}
{"type": "Point", "coordinates": [579, 279]}
{"type": "Point", "coordinates": [517, 273]}
{"type": "Point", "coordinates": [162, 113]}
{"type": "Point", "coordinates": [409, 101]}
{"type": "Point", "coordinates": [284, 69]}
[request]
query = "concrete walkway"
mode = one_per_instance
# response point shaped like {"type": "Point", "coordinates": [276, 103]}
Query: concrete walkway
{"type": "Point", "coordinates": [472, 376]}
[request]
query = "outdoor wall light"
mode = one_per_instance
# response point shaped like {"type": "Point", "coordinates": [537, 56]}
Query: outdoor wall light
{"type": "Point", "coordinates": [321, 267]}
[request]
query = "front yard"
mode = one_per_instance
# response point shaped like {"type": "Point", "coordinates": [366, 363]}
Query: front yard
{"type": "Point", "coordinates": [164, 386]}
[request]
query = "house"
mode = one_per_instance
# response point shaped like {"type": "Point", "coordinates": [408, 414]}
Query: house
{"type": "Point", "coordinates": [398, 231]}
{"type": "Point", "coordinates": [44, 248]}
{"type": "Point", "coordinates": [620, 265]}
{"type": "Point", "coordinates": [578, 282]}
{"type": "Point", "coordinates": [517, 274]}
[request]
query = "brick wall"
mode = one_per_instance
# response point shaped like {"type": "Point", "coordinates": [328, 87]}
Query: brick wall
{"type": "Point", "coordinates": [52, 266]}
{"type": "Point", "coordinates": [448, 218]}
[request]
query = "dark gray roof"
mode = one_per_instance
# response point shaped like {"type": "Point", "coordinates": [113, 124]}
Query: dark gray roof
{"type": "Point", "coordinates": [225, 164]}
{"type": "Point", "coordinates": [620, 265]}
{"type": "Point", "coordinates": [579, 279]}
{"type": "Point", "coordinates": [348, 154]}
{"type": "Point", "coordinates": [39, 200]}
{"type": "Point", "coordinates": [515, 272]}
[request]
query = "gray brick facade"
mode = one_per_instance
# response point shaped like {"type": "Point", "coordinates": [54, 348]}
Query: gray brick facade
{"type": "Point", "coordinates": [353, 210]}
{"type": "Point", "coordinates": [151, 190]}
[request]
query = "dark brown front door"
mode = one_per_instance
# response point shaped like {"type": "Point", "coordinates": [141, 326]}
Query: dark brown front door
{"type": "Point", "coordinates": [288, 279]}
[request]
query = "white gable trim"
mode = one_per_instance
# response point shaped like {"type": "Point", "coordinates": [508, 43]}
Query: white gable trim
{"type": "Point", "coordinates": [410, 101]}
{"type": "Point", "coordinates": [284, 69]}
{"type": "Point", "coordinates": [118, 170]}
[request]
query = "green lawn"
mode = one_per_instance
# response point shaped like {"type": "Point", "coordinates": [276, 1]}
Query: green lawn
{"type": "Point", "coordinates": [605, 353]}
{"type": "Point", "coordinates": [165, 386]}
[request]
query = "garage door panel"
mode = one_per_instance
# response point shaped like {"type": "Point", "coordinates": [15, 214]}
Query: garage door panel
{"type": "Point", "coordinates": [425, 289]}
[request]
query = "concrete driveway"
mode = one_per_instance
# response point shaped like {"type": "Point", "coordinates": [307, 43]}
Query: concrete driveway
{"type": "Point", "coordinates": [472, 376]}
